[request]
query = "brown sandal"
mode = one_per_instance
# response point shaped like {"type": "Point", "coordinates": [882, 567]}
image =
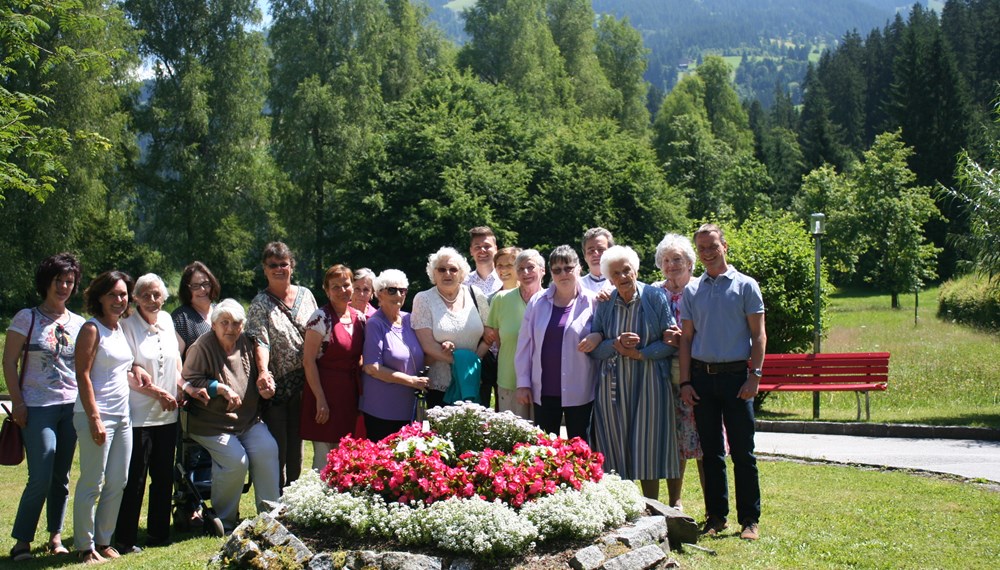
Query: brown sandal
{"type": "Point", "coordinates": [108, 551]}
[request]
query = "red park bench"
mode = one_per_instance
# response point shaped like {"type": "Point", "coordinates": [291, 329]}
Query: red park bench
{"type": "Point", "coordinates": [858, 372]}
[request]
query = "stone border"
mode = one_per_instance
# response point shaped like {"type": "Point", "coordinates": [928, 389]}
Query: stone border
{"type": "Point", "coordinates": [263, 542]}
{"type": "Point", "coordinates": [866, 429]}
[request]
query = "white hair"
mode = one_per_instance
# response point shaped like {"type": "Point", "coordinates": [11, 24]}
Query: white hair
{"type": "Point", "coordinates": [364, 273]}
{"type": "Point", "coordinates": [229, 307]}
{"type": "Point", "coordinates": [616, 254]}
{"type": "Point", "coordinates": [678, 242]}
{"type": "Point", "coordinates": [529, 255]}
{"type": "Point", "coordinates": [150, 280]}
{"type": "Point", "coordinates": [444, 254]}
{"type": "Point", "coordinates": [391, 278]}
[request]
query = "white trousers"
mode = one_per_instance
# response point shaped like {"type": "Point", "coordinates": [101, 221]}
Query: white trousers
{"type": "Point", "coordinates": [233, 455]}
{"type": "Point", "coordinates": [103, 474]}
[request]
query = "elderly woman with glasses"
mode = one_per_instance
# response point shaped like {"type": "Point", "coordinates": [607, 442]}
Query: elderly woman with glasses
{"type": "Point", "coordinates": [554, 372]}
{"type": "Point", "coordinates": [277, 321]}
{"type": "Point", "coordinates": [199, 290]}
{"type": "Point", "coordinates": [153, 410]}
{"type": "Point", "coordinates": [506, 315]}
{"type": "Point", "coordinates": [393, 360]}
{"type": "Point", "coordinates": [229, 424]}
{"type": "Point", "coordinates": [335, 337]}
{"type": "Point", "coordinates": [447, 318]}
{"type": "Point", "coordinates": [634, 425]}
{"type": "Point", "coordinates": [42, 340]}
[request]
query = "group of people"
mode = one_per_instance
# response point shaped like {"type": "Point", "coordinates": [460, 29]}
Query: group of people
{"type": "Point", "coordinates": [651, 375]}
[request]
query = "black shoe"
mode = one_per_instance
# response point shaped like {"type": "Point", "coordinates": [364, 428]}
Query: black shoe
{"type": "Point", "coordinates": [714, 526]}
{"type": "Point", "coordinates": [20, 554]}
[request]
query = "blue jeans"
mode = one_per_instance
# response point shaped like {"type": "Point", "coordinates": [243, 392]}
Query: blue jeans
{"type": "Point", "coordinates": [718, 405]}
{"type": "Point", "coordinates": [49, 441]}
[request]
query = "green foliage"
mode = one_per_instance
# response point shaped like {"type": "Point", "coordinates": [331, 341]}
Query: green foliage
{"type": "Point", "coordinates": [971, 299]}
{"type": "Point", "coordinates": [824, 191]}
{"type": "Point", "coordinates": [894, 212]}
{"type": "Point", "coordinates": [622, 55]}
{"type": "Point", "coordinates": [778, 253]}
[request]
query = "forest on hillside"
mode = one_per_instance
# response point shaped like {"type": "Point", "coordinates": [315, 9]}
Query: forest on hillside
{"type": "Point", "coordinates": [359, 133]}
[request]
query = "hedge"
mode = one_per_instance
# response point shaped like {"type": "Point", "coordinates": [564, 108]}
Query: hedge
{"type": "Point", "coordinates": [971, 299]}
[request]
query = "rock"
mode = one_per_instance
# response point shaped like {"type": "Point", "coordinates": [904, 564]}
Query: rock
{"type": "Point", "coordinates": [273, 533]}
{"type": "Point", "coordinates": [641, 559]}
{"type": "Point", "coordinates": [275, 508]}
{"type": "Point", "coordinates": [645, 531]}
{"type": "Point", "coordinates": [681, 528]}
{"type": "Point", "coordinates": [323, 561]}
{"type": "Point", "coordinates": [407, 561]}
{"type": "Point", "coordinates": [462, 564]}
{"type": "Point", "coordinates": [589, 558]}
{"type": "Point", "coordinates": [358, 559]}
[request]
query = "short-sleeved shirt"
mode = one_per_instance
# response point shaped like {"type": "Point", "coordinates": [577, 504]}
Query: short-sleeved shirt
{"type": "Point", "coordinates": [50, 372]}
{"type": "Point", "coordinates": [395, 347]}
{"type": "Point", "coordinates": [155, 348]}
{"type": "Point", "coordinates": [488, 286]}
{"type": "Point", "coordinates": [506, 314]}
{"type": "Point", "coordinates": [718, 308]}
{"type": "Point", "coordinates": [281, 329]}
{"type": "Point", "coordinates": [464, 328]}
{"type": "Point", "coordinates": [594, 284]}
{"type": "Point", "coordinates": [109, 371]}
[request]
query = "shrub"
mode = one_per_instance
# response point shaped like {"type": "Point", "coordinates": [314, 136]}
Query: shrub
{"type": "Point", "coordinates": [971, 299]}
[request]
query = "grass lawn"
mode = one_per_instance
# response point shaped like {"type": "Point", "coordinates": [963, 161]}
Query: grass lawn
{"type": "Point", "coordinates": [815, 516]}
{"type": "Point", "coordinates": [940, 373]}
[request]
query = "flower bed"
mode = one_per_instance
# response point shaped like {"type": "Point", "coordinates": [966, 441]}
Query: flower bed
{"type": "Point", "coordinates": [475, 482]}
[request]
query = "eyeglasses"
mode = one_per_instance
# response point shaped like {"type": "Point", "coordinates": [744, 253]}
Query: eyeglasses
{"type": "Point", "coordinates": [559, 270]}
{"type": "Point", "coordinates": [527, 269]}
{"type": "Point", "coordinates": [443, 270]}
{"type": "Point", "coordinates": [282, 265]}
{"type": "Point", "coordinates": [396, 290]}
{"type": "Point", "coordinates": [206, 285]}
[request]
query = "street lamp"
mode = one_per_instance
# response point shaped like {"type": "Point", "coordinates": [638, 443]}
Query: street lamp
{"type": "Point", "coordinates": [817, 226]}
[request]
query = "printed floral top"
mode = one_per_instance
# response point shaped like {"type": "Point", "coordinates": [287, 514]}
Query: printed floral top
{"type": "Point", "coordinates": [281, 330]}
{"type": "Point", "coordinates": [50, 374]}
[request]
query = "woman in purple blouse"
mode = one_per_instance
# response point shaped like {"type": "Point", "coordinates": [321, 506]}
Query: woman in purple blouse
{"type": "Point", "coordinates": [553, 369]}
{"type": "Point", "coordinates": [392, 358]}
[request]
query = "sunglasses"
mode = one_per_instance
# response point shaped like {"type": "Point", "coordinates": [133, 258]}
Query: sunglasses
{"type": "Point", "coordinates": [282, 265]}
{"type": "Point", "coordinates": [443, 270]}
{"type": "Point", "coordinates": [396, 290]}
{"type": "Point", "coordinates": [563, 269]}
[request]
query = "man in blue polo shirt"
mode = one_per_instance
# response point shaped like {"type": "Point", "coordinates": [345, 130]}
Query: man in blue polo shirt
{"type": "Point", "coordinates": [722, 319]}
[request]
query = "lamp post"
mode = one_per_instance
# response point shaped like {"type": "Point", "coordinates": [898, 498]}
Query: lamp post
{"type": "Point", "coordinates": [818, 226]}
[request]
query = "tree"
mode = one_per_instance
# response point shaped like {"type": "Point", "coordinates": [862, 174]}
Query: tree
{"type": "Point", "coordinates": [511, 43]}
{"type": "Point", "coordinates": [727, 116]}
{"type": "Point", "coordinates": [206, 179]}
{"type": "Point", "coordinates": [622, 56]}
{"type": "Point", "coordinates": [572, 25]}
{"type": "Point", "coordinates": [820, 138]}
{"type": "Point", "coordinates": [898, 258]}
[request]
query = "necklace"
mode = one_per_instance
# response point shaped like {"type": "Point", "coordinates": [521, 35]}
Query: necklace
{"type": "Point", "coordinates": [51, 315]}
{"type": "Point", "coordinates": [446, 299]}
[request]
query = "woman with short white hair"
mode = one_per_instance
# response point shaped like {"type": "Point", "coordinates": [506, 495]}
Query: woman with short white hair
{"type": "Point", "coordinates": [393, 360]}
{"type": "Point", "coordinates": [153, 408]}
{"type": "Point", "coordinates": [634, 424]}
{"type": "Point", "coordinates": [448, 317]}
{"type": "Point", "coordinates": [229, 425]}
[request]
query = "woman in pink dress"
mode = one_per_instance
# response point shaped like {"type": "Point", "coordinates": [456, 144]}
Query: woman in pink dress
{"type": "Point", "coordinates": [334, 341]}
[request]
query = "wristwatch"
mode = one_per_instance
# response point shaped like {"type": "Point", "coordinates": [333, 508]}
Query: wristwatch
{"type": "Point", "coordinates": [757, 372]}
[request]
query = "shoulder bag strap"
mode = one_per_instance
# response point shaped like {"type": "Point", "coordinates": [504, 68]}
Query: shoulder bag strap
{"type": "Point", "coordinates": [24, 357]}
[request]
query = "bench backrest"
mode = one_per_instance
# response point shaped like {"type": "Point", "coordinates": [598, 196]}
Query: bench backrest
{"type": "Point", "coordinates": [826, 367]}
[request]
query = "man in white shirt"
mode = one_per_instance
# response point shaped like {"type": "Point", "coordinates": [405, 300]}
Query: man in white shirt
{"type": "Point", "coordinates": [482, 248]}
{"type": "Point", "coordinates": [595, 242]}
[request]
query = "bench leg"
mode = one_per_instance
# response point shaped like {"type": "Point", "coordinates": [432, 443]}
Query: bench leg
{"type": "Point", "coordinates": [857, 397]}
{"type": "Point", "coordinates": [868, 416]}
{"type": "Point", "coordinates": [815, 405]}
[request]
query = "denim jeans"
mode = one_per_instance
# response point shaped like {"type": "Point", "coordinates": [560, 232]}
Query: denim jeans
{"type": "Point", "coordinates": [103, 474]}
{"type": "Point", "coordinates": [718, 405]}
{"type": "Point", "coordinates": [49, 441]}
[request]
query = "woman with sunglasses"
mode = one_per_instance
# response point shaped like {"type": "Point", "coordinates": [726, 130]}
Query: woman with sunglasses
{"type": "Point", "coordinates": [448, 317]}
{"type": "Point", "coordinates": [331, 357]}
{"type": "Point", "coordinates": [506, 314]}
{"type": "Point", "coordinates": [277, 321]}
{"type": "Point", "coordinates": [199, 290]}
{"type": "Point", "coordinates": [42, 390]}
{"type": "Point", "coordinates": [554, 373]}
{"type": "Point", "coordinates": [393, 360]}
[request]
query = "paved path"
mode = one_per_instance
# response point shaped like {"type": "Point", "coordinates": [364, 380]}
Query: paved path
{"type": "Point", "coordinates": [964, 457]}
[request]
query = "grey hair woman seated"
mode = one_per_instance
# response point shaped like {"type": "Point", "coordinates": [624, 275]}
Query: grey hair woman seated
{"type": "Point", "coordinates": [227, 422]}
